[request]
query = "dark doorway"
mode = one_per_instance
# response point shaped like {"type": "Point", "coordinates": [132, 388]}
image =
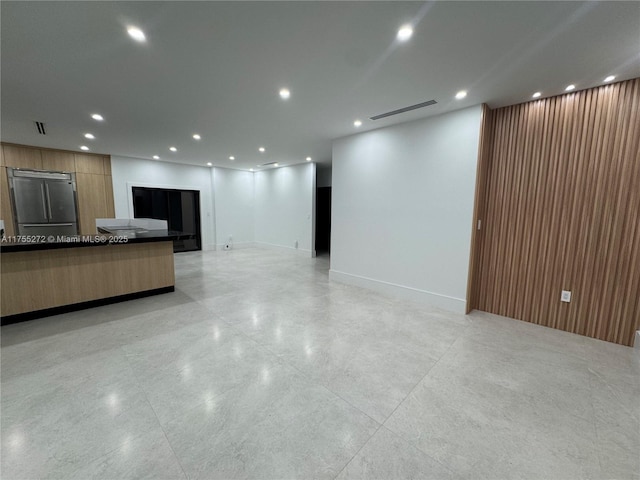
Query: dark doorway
{"type": "Point", "coordinates": [180, 208]}
{"type": "Point", "coordinates": [323, 220]}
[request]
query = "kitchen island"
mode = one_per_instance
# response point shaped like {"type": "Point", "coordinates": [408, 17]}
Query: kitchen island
{"type": "Point", "coordinates": [57, 275]}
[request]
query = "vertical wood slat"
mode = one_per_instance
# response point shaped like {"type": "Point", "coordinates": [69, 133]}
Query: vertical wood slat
{"type": "Point", "coordinates": [481, 179]}
{"type": "Point", "coordinates": [560, 210]}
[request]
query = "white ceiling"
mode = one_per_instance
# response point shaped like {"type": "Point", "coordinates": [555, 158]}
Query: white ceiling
{"type": "Point", "coordinates": [215, 68]}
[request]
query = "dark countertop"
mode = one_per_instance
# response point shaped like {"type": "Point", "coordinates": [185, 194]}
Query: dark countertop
{"type": "Point", "coordinates": [121, 237]}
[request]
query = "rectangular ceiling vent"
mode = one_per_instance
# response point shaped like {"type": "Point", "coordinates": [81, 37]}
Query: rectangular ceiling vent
{"type": "Point", "coordinates": [267, 164]}
{"type": "Point", "coordinates": [40, 127]}
{"type": "Point", "coordinates": [405, 109]}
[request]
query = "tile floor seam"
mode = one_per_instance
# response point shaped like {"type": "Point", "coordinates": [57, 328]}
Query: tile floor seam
{"type": "Point", "coordinates": [359, 450]}
{"type": "Point", "coordinates": [303, 373]}
{"type": "Point", "coordinates": [442, 415]}
{"type": "Point", "coordinates": [115, 449]}
{"type": "Point", "coordinates": [613, 393]}
{"type": "Point", "coordinates": [327, 387]}
{"type": "Point", "coordinates": [407, 396]}
{"type": "Point", "coordinates": [424, 377]}
{"type": "Point", "coordinates": [589, 418]}
{"type": "Point", "coordinates": [595, 423]}
{"type": "Point", "coordinates": [164, 433]}
{"type": "Point", "coordinates": [108, 452]}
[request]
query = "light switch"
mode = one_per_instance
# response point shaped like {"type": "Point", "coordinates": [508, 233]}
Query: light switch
{"type": "Point", "coordinates": [565, 296]}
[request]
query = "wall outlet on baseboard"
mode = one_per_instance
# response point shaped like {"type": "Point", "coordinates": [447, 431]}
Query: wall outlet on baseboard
{"type": "Point", "coordinates": [227, 246]}
{"type": "Point", "coordinates": [565, 296]}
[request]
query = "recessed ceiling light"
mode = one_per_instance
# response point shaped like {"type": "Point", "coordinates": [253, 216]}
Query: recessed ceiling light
{"type": "Point", "coordinates": [308, 159]}
{"type": "Point", "coordinates": [84, 147]}
{"type": "Point", "coordinates": [232, 157]}
{"type": "Point", "coordinates": [136, 34]}
{"type": "Point", "coordinates": [261, 149]}
{"type": "Point", "coordinates": [251, 169]}
{"type": "Point", "coordinates": [570, 87]}
{"type": "Point", "coordinates": [173, 149]}
{"type": "Point", "coordinates": [536, 95]}
{"type": "Point", "coordinates": [156, 157]}
{"type": "Point", "coordinates": [461, 94]}
{"type": "Point", "coordinates": [610, 78]}
{"type": "Point", "coordinates": [209, 164]}
{"type": "Point", "coordinates": [405, 33]}
{"type": "Point", "coordinates": [90, 136]}
{"type": "Point", "coordinates": [97, 116]}
{"type": "Point", "coordinates": [357, 123]}
{"type": "Point", "coordinates": [275, 164]}
{"type": "Point", "coordinates": [196, 136]}
{"type": "Point", "coordinates": [285, 93]}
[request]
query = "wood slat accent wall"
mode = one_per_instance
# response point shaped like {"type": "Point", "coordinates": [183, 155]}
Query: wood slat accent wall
{"type": "Point", "coordinates": [561, 211]}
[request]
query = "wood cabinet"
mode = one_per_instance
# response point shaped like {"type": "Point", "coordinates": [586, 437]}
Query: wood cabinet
{"type": "Point", "coordinates": [106, 165]}
{"type": "Point", "coordinates": [58, 161]}
{"type": "Point", "coordinates": [108, 190]}
{"type": "Point", "coordinates": [93, 164]}
{"type": "Point", "coordinates": [69, 276]}
{"type": "Point", "coordinates": [22, 157]}
{"type": "Point", "coordinates": [5, 203]}
{"type": "Point", "coordinates": [92, 201]}
{"type": "Point", "coordinates": [93, 181]}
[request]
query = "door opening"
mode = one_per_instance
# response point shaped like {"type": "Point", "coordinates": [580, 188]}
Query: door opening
{"type": "Point", "coordinates": [323, 220]}
{"type": "Point", "coordinates": [180, 208]}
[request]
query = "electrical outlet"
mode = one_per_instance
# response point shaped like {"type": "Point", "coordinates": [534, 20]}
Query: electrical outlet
{"type": "Point", "coordinates": [565, 296]}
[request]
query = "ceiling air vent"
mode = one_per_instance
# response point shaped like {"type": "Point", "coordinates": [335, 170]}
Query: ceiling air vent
{"type": "Point", "coordinates": [405, 109]}
{"type": "Point", "coordinates": [267, 164]}
{"type": "Point", "coordinates": [40, 127]}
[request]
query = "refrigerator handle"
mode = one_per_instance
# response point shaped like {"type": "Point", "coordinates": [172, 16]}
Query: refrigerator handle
{"type": "Point", "coordinates": [50, 224]}
{"type": "Point", "coordinates": [48, 201]}
{"type": "Point", "coordinates": [44, 202]}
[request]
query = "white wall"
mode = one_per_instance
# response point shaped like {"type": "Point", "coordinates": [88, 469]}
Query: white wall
{"type": "Point", "coordinates": [128, 172]}
{"type": "Point", "coordinates": [233, 191]}
{"type": "Point", "coordinates": [284, 207]}
{"type": "Point", "coordinates": [402, 208]}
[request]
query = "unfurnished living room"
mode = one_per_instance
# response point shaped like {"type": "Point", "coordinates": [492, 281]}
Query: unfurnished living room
{"type": "Point", "coordinates": [320, 240]}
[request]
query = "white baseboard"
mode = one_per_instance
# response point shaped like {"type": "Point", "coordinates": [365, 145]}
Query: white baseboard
{"type": "Point", "coordinates": [208, 247]}
{"type": "Point", "coordinates": [457, 305]}
{"type": "Point", "coordinates": [235, 246]}
{"type": "Point", "coordinates": [281, 248]}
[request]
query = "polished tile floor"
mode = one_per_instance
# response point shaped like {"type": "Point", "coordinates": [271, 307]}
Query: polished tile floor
{"type": "Point", "coordinates": [259, 367]}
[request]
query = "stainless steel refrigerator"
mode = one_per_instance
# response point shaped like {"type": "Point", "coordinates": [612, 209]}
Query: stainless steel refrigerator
{"type": "Point", "coordinates": [44, 203]}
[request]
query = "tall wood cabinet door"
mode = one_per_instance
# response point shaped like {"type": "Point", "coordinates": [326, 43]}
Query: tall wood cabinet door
{"type": "Point", "coordinates": [58, 161]}
{"type": "Point", "coordinates": [89, 163]}
{"type": "Point", "coordinates": [107, 164]}
{"type": "Point", "coordinates": [91, 201]}
{"type": "Point", "coordinates": [22, 157]}
{"type": "Point", "coordinates": [110, 208]}
{"type": "Point", "coordinates": [6, 212]}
